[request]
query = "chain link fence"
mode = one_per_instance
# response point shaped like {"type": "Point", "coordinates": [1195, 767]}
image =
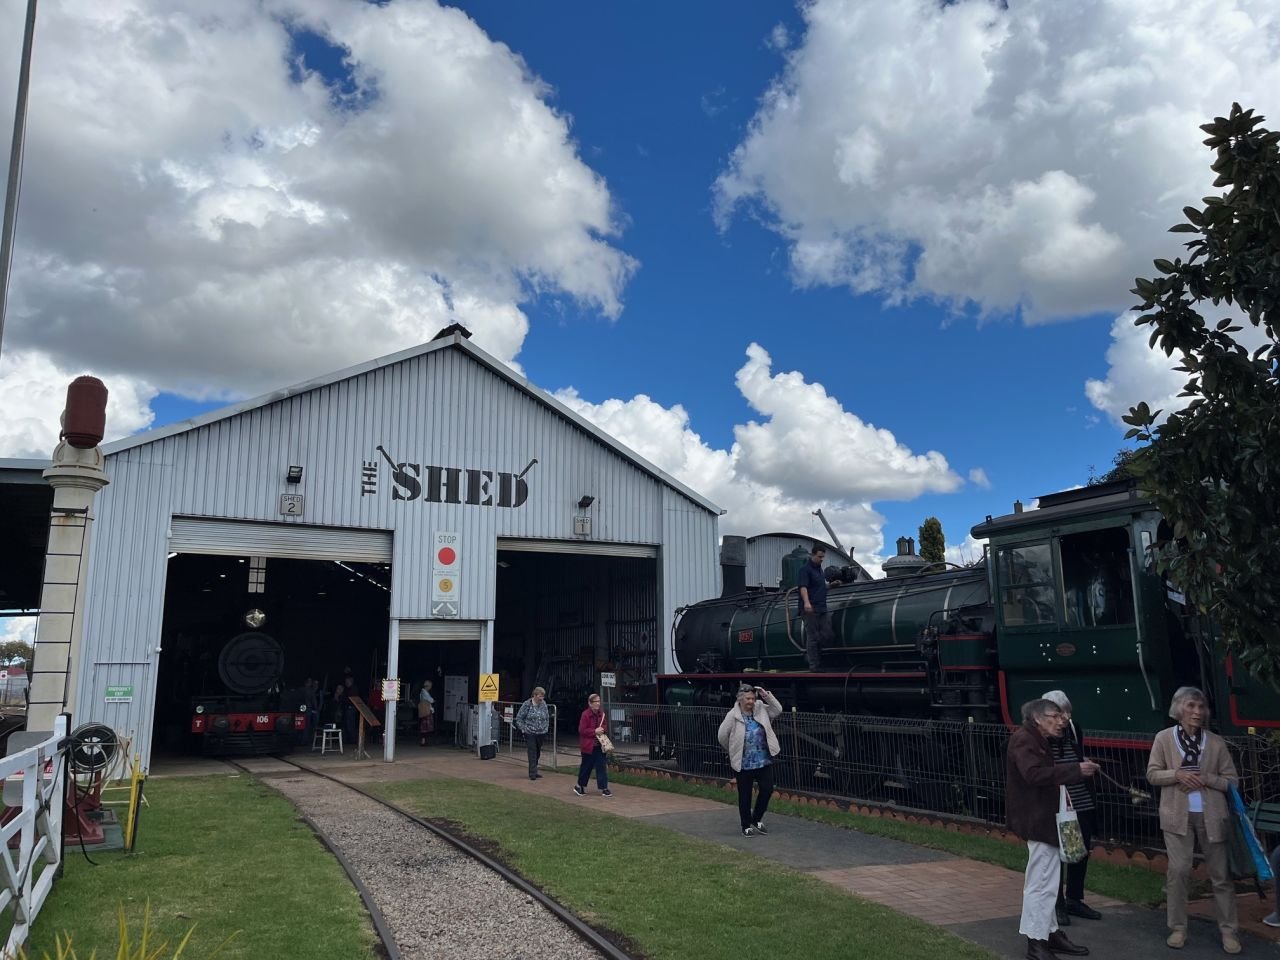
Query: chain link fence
{"type": "Point", "coordinates": [950, 767]}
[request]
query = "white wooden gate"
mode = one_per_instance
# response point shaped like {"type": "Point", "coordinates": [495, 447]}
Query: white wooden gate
{"type": "Point", "coordinates": [39, 829]}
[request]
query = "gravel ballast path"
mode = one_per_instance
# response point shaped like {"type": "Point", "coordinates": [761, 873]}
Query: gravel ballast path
{"type": "Point", "coordinates": [438, 902]}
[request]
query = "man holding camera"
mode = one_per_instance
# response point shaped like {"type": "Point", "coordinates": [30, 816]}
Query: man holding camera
{"type": "Point", "coordinates": [747, 734]}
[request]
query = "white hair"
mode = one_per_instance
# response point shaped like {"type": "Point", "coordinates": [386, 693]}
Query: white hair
{"type": "Point", "coordinates": [1058, 697]}
{"type": "Point", "coordinates": [1184, 695]}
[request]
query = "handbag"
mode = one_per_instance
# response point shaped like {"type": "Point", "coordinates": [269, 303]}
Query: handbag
{"type": "Point", "coordinates": [1070, 839]}
{"type": "Point", "coordinates": [424, 709]}
{"type": "Point", "coordinates": [605, 743]}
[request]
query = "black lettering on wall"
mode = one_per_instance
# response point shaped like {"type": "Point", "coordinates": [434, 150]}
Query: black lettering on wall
{"type": "Point", "coordinates": [405, 476]}
{"type": "Point", "coordinates": [438, 484]}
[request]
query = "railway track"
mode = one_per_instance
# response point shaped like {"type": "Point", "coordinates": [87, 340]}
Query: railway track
{"type": "Point", "coordinates": [429, 892]}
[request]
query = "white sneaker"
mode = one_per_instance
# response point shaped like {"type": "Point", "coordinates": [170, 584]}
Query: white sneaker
{"type": "Point", "coordinates": [1273, 919]}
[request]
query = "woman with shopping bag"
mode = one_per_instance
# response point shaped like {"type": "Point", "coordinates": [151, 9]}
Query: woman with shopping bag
{"type": "Point", "coordinates": [1037, 806]}
{"type": "Point", "coordinates": [426, 713]}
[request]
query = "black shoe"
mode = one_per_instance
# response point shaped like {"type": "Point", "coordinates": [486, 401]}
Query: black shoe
{"type": "Point", "coordinates": [1039, 950]}
{"type": "Point", "coordinates": [749, 831]}
{"type": "Point", "coordinates": [533, 778]}
{"type": "Point", "coordinates": [1078, 908]}
{"type": "Point", "coordinates": [537, 776]}
{"type": "Point", "coordinates": [1064, 918]}
{"type": "Point", "coordinates": [1059, 943]}
{"type": "Point", "coordinates": [760, 827]}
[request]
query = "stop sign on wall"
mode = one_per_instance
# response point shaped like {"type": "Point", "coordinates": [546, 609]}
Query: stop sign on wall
{"type": "Point", "coordinates": [445, 570]}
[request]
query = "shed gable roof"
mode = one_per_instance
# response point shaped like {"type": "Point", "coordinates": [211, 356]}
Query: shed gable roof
{"type": "Point", "coordinates": [454, 340]}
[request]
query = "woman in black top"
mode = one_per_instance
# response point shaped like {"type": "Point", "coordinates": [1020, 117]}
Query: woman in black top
{"type": "Point", "coordinates": [1069, 748]}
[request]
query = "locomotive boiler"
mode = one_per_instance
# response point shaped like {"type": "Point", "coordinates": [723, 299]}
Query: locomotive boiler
{"type": "Point", "coordinates": [902, 646]}
{"type": "Point", "coordinates": [255, 714]}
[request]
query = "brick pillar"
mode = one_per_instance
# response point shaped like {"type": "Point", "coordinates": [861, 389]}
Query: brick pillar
{"type": "Point", "coordinates": [76, 477]}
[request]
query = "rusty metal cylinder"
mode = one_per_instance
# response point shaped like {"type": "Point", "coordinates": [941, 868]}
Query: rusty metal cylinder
{"type": "Point", "coordinates": [85, 419]}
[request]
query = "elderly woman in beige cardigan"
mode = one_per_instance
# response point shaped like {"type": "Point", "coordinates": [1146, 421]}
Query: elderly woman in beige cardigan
{"type": "Point", "coordinates": [1194, 770]}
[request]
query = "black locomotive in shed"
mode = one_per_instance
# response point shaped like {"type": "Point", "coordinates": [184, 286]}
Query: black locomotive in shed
{"type": "Point", "coordinates": [256, 715]}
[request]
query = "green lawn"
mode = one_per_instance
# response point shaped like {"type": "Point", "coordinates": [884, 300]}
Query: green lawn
{"type": "Point", "coordinates": [669, 895]}
{"type": "Point", "coordinates": [1131, 884]}
{"type": "Point", "coordinates": [223, 853]}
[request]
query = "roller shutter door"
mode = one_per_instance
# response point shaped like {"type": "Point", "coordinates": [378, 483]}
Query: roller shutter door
{"type": "Point", "coordinates": [579, 547]}
{"type": "Point", "coordinates": [297, 541]}
{"type": "Point", "coordinates": [440, 630]}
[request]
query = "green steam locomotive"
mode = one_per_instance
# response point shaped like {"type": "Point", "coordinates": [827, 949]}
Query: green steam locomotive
{"type": "Point", "coordinates": [1067, 598]}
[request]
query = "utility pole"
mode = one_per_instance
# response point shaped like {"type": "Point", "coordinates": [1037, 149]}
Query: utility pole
{"type": "Point", "coordinates": [15, 166]}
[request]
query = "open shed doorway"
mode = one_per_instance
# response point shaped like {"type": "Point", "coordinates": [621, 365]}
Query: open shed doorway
{"type": "Point", "coordinates": [563, 618]}
{"type": "Point", "coordinates": [292, 620]}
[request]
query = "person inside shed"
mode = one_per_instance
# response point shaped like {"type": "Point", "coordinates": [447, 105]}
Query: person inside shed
{"type": "Point", "coordinates": [1069, 748]}
{"type": "Point", "coordinates": [426, 713]}
{"type": "Point", "coordinates": [350, 717]}
{"type": "Point", "coordinates": [1032, 796]}
{"type": "Point", "coordinates": [1194, 771]}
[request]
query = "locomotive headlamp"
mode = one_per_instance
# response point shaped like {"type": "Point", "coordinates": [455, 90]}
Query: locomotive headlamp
{"type": "Point", "coordinates": [255, 618]}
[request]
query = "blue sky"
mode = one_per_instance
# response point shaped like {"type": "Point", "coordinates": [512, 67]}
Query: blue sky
{"type": "Point", "coordinates": [926, 217]}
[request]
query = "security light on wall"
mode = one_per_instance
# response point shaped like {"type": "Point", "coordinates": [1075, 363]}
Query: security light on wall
{"type": "Point", "coordinates": [585, 502]}
{"type": "Point", "coordinates": [294, 475]}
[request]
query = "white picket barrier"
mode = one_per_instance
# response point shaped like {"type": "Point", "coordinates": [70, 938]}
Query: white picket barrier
{"type": "Point", "coordinates": [38, 827]}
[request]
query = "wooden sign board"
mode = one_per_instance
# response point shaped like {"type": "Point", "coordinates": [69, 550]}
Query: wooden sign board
{"type": "Point", "coordinates": [366, 714]}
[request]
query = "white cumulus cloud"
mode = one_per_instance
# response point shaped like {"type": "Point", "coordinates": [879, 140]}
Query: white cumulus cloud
{"type": "Point", "coordinates": [203, 213]}
{"type": "Point", "coordinates": [33, 392]}
{"type": "Point", "coordinates": [1138, 373]}
{"type": "Point", "coordinates": [1023, 158]}
{"type": "Point", "coordinates": [978, 477]}
{"type": "Point", "coordinates": [808, 453]}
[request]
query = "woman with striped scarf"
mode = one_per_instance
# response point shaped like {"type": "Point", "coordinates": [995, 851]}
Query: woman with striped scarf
{"type": "Point", "coordinates": [1193, 769]}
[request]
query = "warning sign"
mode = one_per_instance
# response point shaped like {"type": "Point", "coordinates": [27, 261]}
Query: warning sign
{"type": "Point", "coordinates": [445, 573]}
{"type": "Point", "coordinates": [488, 688]}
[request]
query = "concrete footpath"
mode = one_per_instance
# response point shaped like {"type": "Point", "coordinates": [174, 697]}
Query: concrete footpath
{"type": "Point", "coordinates": [979, 902]}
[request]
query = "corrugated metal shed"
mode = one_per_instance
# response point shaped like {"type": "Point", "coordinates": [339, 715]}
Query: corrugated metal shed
{"type": "Point", "coordinates": [442, 437]}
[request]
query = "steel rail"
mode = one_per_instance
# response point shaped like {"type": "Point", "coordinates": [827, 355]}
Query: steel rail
{"type": "Point", "coordinates": [379, 921]}
{"type": "Point", "coordinates": [585, 931]}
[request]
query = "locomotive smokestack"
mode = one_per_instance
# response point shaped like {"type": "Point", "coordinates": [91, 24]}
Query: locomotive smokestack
{"type": "Point", "coordinates": [733, 566]}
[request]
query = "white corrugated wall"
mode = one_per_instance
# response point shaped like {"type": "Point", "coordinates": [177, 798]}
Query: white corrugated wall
{"type": "Point", "coordinates": [690, 564]}
{"type": "Point", "coordinates": [440, 408]}
{"type": "Point", "coordinates": [124, 601]}
{"type": "Point", "coordinates": [765, 553]}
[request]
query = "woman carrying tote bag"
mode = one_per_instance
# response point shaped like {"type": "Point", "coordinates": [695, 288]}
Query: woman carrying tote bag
{"type": "Point", "coordinates": [426, 713]}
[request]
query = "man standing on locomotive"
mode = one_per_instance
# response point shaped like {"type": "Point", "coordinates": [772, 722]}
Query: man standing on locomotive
{"type": "Point", "coordinates": [813, 607]}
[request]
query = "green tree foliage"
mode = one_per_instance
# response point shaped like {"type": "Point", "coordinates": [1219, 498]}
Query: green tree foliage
{"type": "Point", "coordinates": [11, 650]}
{"type": "Point", "coordinates": [1120, 468]}
{"type": "Point", "coordinates": [933, 545]}
{"type": "Point", "coordinates": [1213, 466]}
